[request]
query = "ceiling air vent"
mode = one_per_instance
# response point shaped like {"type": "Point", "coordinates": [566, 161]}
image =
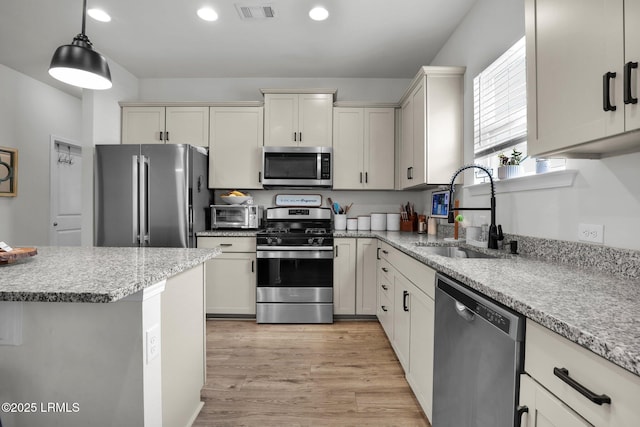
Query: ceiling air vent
{"type": "Point", "coordinates": [255, 12]}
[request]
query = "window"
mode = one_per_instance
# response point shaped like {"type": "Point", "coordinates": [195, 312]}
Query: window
{"type": "Point", "coordinates": [500, 108]}
{"type": "Point", "coordinates": [500, 113]}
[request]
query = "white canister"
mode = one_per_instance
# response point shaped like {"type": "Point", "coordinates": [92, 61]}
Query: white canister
{"type": "Point", "coordinates": [378, 221]}
{"type": "Point", "coordinates": [393, 221]}
{"type": "Point", "coordinates": [352, 224]}
{"type": "Point", "coordinates": [340, 221]}
{"type": "Point", "coordinates": [364, 222]}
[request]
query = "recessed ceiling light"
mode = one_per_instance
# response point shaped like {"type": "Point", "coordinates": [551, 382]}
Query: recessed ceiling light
{"type": "Point", "coordinates": [207, 14]}
{"type": "Point", "coordinates": [99, 15]}
{"type": "Point", "coordinates": [318, 13]}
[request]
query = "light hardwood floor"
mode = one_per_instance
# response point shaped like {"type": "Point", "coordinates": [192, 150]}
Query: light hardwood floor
{"type": "Point", "coordinates": [344, 374]}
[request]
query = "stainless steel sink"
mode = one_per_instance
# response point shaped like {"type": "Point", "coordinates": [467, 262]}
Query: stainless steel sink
{"type": "Point", "coordinates": [454, 252]}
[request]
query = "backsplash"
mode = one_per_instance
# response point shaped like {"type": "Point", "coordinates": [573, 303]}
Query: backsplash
{"type": "Point", "coordinates": [619, 262]}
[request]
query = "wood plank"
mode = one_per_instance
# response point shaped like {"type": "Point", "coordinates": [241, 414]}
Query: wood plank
{"type": "Point", "coordinates": [343, 374]}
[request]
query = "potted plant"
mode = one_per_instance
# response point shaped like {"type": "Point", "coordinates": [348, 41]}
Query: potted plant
{"type": "Point", "coordinates": [509, 166]}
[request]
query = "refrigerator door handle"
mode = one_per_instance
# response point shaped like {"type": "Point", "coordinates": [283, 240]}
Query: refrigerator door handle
{"type": "Point", "coordinates": [135, 224]}
{"type": "Point", "coordinates": [144, 201]}
{"type": "Point", "coordinates": [190, 220]}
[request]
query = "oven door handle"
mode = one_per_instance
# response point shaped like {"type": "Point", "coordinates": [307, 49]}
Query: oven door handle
{"type": "Point", "coordinates": [294, 248]}
{"type": "Point", "coordinates": [295, 254]}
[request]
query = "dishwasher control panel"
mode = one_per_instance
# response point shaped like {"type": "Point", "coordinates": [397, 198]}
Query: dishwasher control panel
{"type": "Point", "coordinates": [493, 317]}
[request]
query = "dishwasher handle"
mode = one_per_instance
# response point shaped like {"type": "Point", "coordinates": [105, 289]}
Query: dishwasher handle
{"type": "Point", "coordinates": [464, 312]}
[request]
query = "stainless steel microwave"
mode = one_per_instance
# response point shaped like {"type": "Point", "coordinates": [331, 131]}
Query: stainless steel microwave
{"type": "Point", "coordinates": [236, 216]}
{"type": "Point", "coordinates": [297, 167]}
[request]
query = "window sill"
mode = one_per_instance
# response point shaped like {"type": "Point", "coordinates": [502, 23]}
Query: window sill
{"type": "Point", "coordinates": [542, 181]}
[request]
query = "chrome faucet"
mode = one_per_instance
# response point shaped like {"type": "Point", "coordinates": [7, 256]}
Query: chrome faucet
{"type": "Point", "coordinates": [495, 232]}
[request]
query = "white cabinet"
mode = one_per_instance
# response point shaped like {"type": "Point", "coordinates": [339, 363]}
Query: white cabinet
{"type": "Point", "coordinates": [171, 125]}
{"type": "Point", "coordinates": [366, 268]}
{"type": "Point", "coordinates": [230, 277]}
{"type": "Point", "coordinates": [354, 276]}
{"type": "Point", "coordinates": [384, 310]}
{"type": "Point", "coordinates": [363, 148]}
{"type": "Point", "coordinates": [344, 276]}
{"type": "Point", "coordinates": [406, 310]}
{"type": "Point", "coordinates": [401, 318]}
{"type": "Point", "coordinates": [293, 119]}
{"type": "Point", "coordinates": [544, 409]}
{"type": "Point", "coordinates": [576, 56]}
{"type": "Point", "coordinates": [235, 147]}
{"type": "Point", "coordinates": [553, 379]}
{"type": "Point", "coordinates": [421, 336]}
{"type": "Point", "coordinates": [431, 140]}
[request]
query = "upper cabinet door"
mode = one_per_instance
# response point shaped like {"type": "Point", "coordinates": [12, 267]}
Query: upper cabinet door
{"type": "Point", "coordinates": [406, 143]}
{"type": "Point", "coordinates": [143, 125]}
{"type": "Point", "coordinates": [315, 119]}
{"type": "Point", "coordinates": [379, 148]}
{"type": "Point", "coordinates": [187, 125]}
{"type": "Point", "coordinates": [235, 152]}
{"type": "Point", "coordinates": [281, 119]}
{"type": "Point", "coordinates": [298, 119]}
{"type": "Point", "coordinates": [632, 62]}
{"type": "Point", "coordinates": [348, 143]}
{"type": "Point", "coordinates": [571, 46]}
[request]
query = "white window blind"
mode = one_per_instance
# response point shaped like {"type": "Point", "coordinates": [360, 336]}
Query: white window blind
{"type": "Point", "coordinates": [500, 103]}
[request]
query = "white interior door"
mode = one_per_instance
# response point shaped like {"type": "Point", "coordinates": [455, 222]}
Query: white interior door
{"type": "Point", "coordinates": [66, 193]}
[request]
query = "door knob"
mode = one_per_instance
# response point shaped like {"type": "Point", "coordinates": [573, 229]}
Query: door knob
{"type": "Point", "coordinates": [55, 224]}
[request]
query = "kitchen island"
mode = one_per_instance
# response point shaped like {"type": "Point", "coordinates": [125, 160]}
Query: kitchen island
{"type": "Point", "coordinates": [102, 336]}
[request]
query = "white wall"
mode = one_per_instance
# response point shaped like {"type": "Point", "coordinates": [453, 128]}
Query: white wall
{"type": "Point", "coordinates": [30, 112]}
{"type": "Point", "coordinates": [248, 89]}
{"type": "Point", "coordinates": [101, 125]}
{"type": "Point", "coordinates": [604, 192]}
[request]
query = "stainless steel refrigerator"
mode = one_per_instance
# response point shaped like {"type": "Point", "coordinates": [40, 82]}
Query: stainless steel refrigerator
{"type": "Point", "coordinates": [150, 195]}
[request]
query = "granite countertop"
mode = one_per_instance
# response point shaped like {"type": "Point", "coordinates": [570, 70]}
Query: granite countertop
{"type": "Point", "coordinates": [594, 309]}
{"type": "Point", "coordinates": [93, 274]}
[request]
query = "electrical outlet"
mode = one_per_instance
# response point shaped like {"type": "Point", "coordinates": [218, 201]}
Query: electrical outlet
{"type": "Point", "coordinates": [153, 342]}
{"type": "Point", "coordinates": [592, 233]}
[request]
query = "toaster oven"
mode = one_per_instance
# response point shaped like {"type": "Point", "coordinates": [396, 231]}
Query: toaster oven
{"type": "Point", "coordinates": [236, 216]}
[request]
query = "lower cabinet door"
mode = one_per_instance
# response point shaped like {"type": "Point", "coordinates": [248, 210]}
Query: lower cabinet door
{"type": "Point", "coordinates": [401, 318]}
{"type": "Point", "coordinates": [420, 375]}
{"type": "Point", "coordinates": [231, 284]}
{"type": "Point", "coordinates": [344, 277]}
{"type": "Point", "coordinates": [366, 277]}
{"type": "Point", "coordinates": [544, 409]}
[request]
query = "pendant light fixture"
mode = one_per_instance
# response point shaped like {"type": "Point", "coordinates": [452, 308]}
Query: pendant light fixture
{"type": "Point", "coordinates": [78, 64]}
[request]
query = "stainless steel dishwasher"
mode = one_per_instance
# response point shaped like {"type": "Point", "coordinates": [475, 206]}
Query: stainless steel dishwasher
{"type": "Point", "coordinates": [478, 359]}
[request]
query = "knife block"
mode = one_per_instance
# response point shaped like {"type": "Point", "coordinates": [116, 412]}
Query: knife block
{"type": "Point", "coordinates": [409, 225]}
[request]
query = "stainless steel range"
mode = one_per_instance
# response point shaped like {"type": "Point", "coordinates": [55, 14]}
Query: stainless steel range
{"type": "Point", "coordinates": [295, 266]}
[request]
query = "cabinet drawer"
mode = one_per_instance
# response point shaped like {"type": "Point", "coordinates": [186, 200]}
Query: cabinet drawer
{"type": "Point", "coordinates": [546, 350]}
{"type": "Point", "coordinates": [384, 250]}
{"type": "Point", "coordinates": [384, 272]}
{"type": "Point", "coordinates": [229, 244]}
{"type": "Point", "coordinates": [385, 313]}
{"type": "Point", "coordinates": [419, 274]}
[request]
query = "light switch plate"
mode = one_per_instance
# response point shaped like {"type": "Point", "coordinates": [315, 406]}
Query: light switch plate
{"type": "Point", "coordinates": [592, 233]}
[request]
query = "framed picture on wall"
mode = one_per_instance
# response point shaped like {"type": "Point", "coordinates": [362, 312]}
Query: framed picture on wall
{"type": "Point", "coordinates": [8, 172]}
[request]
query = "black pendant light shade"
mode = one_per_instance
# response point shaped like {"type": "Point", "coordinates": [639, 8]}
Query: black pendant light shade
{"type": "Point", "coordinates": [78, 64]}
